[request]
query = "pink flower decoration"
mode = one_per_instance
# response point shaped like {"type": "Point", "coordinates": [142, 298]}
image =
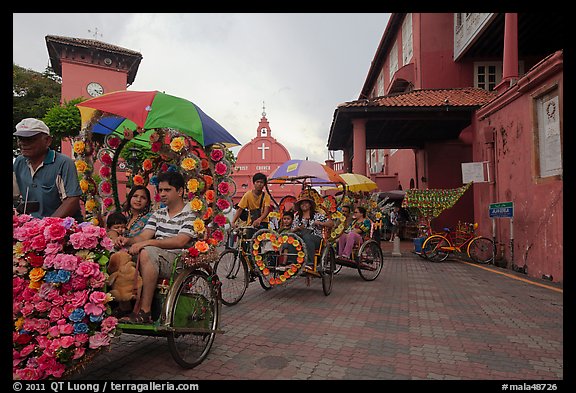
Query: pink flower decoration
{"type": "Point", "coordinates": [222, 204]}
{"type": "Point", "coordinates": [156, 146]}
{"type": "Point", "coordinates": [114, 142]}
{"type": "Point", "coordinates": [220, 220]}
{"type": "Point", "coordinates": [224, 188]}
{"type": "Point", "coordinates": [54, 232]}
{"type": "Point", "coordinates": [106, 159]}
{"type": "Point", "coordinates": [105, 171]}
{"type": "Point", "coordinates": [220, 168]}
{"type": "Point", "coordinates": [106, 188]}
{"type": "Point", "coordinates": [99, 340]}
{"type": "Point", "coordinates": [216, 155]}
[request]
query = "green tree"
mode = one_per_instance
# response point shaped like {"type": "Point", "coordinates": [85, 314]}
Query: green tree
{"type": "Point", "coordinates": [63, 120]}
{"type": "Point", "coordinates": [33, 94]}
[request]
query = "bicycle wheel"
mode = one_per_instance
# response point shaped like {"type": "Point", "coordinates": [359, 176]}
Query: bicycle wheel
{"type": "Point", "coordinates": [327, 267]}
{"type": "Point", "coordinates": [233, 273]}
{"type": "Point", "coordinates": [481, 250]}
{"type": "Point", "coordinates": [370, 260]}
{"type": "Point", "coordinates": [432, 248]}
{"type": "Point", "coordinates": [193, 310]}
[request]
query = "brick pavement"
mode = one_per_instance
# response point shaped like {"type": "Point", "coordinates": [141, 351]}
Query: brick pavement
{"type": "Point", "coordinates": [417, 321]}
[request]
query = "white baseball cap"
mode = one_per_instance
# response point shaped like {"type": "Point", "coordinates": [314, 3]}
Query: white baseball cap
{"type": "Point", "coordinates": [29, 127]}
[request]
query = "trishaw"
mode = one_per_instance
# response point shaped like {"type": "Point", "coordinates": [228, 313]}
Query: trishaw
{"type": "Point", "coordinates": [176, 136]}
{"type": "Point", "coordinates": [276, 258]}
{"type": "Point", "coordinates": [366, 257]}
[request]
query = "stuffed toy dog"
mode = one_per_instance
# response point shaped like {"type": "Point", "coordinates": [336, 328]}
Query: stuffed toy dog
{"type": "Point", "coordinates": [122, 273]}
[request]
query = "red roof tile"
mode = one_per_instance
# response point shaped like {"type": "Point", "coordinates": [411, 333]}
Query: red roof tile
{"type": "Point", "coordinates": [469, 96]}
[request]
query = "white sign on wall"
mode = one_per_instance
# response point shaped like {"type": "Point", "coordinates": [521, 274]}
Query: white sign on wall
{"type": "Point", "coordinates": [476, 172]}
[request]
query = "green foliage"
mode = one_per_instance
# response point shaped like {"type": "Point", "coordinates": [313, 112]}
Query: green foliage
{"type": "Point", "coordinates": [33, 94]}
{"type": "Point", "coordinates": [63, 120]}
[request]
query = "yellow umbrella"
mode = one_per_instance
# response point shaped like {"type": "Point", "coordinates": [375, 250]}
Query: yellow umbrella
{"type": "Point", "coordinates": [355, 183]}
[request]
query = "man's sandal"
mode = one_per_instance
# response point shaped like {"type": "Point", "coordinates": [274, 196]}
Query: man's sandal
{"type": "Point", "coordinates": [139, 317]}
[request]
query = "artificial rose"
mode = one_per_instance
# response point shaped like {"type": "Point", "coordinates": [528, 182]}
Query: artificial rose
{"type": "Point", "coordinates": [156, 146]}
{"type": "Point", "coordinates": [224, 188]}
{"type": "Point", "coordinates": [198, 225]}
{"type": "Point", "coordinates": [138, 180]}
{"type": "Point", "coordinates": [216, 155]}
{"type": "Point", "coordinates": [220, 168]}
{"type": "Point", "coordinates": [222, 204]}
{"type": "Point", "coordinates": [106, 159]}
{"type": "Point", "coordinates": [154, 137]}
{"type": "Point", "coordinates": [105, 171]}
{"type": "Point", "coordinates": [210, 195]}
{"type": "Point", "coordinates": [188, 164]}
{"type": "Point", "coordinates": [147, 164]}
{"type": "Point", "coordinates": [79, 147]}
{"type": "Point", "coordinates": [196, 204]}
{"type": "Point", "coordinates": [84, 185]}
{"type": "Point", "coordinates": [113, 142]}
{"type": "Point", "coordinates": [81, 166]}
{"type": "Point", "coordinates": [201, 246]}
{"type": "Point", "coordinates": [177, 144]}
{"type": "Point", "coordinates": [220, 220]}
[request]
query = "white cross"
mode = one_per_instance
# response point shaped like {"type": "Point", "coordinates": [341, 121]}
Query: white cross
{"type": "Point", "coordinates": [263, 148]}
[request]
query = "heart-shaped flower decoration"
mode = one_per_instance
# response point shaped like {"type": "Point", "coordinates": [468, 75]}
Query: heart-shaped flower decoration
{"type": "Point", "coordinates": [267, 240]}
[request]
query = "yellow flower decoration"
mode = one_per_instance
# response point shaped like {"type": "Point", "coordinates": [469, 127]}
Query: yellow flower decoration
{"type": "Point", "coordinates": [94, 221]}
{"type": "Point", "coordinates": [37, 274]}
{"type": "Point", "coordinates": [81, 166]}
{"type": "Point", "coordinates": [188, 163]}
{"type": "Point", "coordinates": [193, 185]}
{"type": "Point", "coordinates": [84, 185]}
{"type": "Point", "coordinates": [196, 204]}
{"type": "Point", "coordinates": [198, 225]}
{"type": "Point", "coordinates": [90, 205]}
{"type": "Point", "coordinates": [177, 144]}
{"type": "Point", "coordinates": [79, 147]}
{"type": "Point", "coordinates": [19, 323]}
{"type": "Point", "coordinates": [17, 249]}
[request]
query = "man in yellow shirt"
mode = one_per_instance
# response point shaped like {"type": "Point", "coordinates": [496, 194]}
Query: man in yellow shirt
{"type": "Point", "coordinates": [257, 202]}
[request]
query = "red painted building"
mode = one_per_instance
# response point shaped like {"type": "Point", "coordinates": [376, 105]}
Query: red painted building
{"type": "Point", "coordinates": [262, 154]}
{"type": "Point", "coordinates": [480, 89]}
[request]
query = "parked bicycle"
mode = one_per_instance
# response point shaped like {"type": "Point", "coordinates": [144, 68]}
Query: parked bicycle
{"type": "Point", "coordinates": [438, 247]}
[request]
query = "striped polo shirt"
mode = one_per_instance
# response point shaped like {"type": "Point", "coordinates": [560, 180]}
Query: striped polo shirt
{"type": "Point", "coordinates": [165, 226]}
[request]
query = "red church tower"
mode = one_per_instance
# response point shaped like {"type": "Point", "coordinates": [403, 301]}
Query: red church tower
{"type": "Point", "coordinates": [262, 154]}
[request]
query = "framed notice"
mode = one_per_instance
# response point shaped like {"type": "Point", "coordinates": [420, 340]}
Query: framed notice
{"type": "Point", "coordinates": [476, 172]}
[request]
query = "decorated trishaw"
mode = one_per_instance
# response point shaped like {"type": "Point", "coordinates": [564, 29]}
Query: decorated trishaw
{"type": "Point", "coordinates": [275, 258]}
{"type": "Point", "coordinates": [62, 306]}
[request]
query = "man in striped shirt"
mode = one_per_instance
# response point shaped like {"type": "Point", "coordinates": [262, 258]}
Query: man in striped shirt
{"type": "Point", "coordinates": [167, 232]}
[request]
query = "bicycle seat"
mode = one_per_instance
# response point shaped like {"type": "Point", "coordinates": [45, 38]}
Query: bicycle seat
{"type": "Point", "coordinates": [446, 229]}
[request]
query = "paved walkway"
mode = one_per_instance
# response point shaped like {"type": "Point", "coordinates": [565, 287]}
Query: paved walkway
{"type": "Point", "coordinates": [417, 320]}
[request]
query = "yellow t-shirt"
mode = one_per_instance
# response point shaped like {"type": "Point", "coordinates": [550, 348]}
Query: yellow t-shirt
{"type": "Point", "coordinates": [251, 202]}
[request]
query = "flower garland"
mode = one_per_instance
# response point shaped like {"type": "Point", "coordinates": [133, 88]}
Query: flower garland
{"type": "Point", "coordinates": [83, 148]}
{"type": "Point", "coordinates": [276, 241]}
{"type": "Point", "coordinates": [60, 308]}
{"type": "Point", "coordinates": [339, 221]}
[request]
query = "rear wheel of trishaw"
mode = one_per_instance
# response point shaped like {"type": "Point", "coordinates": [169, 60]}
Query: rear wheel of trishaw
{"type": "Point", "coordinates": [193, 310]}
{"type": "Point", "coordinates": [327, 266]}
{"type": "Point", "coordinates": [370, 260]}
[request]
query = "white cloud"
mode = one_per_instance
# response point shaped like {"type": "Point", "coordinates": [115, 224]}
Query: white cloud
{"type": "Point", "coordinates": [301, 65]}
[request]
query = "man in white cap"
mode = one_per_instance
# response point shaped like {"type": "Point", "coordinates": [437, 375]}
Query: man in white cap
{"type": "Point", "coordinates": [43, 175]}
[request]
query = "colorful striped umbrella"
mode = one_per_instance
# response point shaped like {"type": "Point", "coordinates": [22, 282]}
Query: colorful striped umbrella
{"type": "Point", "coordinates": [149, 110]}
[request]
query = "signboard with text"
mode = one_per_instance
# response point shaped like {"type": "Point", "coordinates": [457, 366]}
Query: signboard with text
{"type": "Point", "coordinates": [501, 210]}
